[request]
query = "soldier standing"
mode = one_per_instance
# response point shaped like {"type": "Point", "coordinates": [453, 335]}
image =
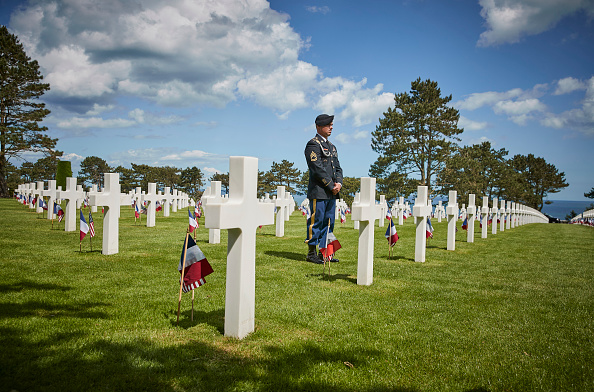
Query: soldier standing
{"type": "Point", "coordinates": [325, 182]}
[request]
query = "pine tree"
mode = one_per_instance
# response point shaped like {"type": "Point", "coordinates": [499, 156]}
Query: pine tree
{"type": "Point", "coordinates": [20, 110]}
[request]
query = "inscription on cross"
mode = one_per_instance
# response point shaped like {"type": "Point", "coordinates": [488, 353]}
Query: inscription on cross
{"type": "Point", "coordinates": [241, 215]}
{"type": "Point", "coordinates": [365, 212]}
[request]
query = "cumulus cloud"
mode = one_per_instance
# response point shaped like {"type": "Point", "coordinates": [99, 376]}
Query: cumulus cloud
{"type": "Point", "coordinates": [136, 116]}
{"type": "Point", "coordinates": [569, 85]}
{"type": "Point", "coordinates": [523, 106]}
{"type": "Point", "coordinates": [508, 21]}
{"type": "Point", "coordinates": [164, 156]}
{"type": "Point", "coordinates": [315, 9]}
{"type": "Point", "coordinates": [471, 125]}
{"type": "Point", "coordinates": [180, 53]}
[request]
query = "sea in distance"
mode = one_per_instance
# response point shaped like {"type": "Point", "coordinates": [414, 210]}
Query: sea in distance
{"type": "Point", "coordinates": [560, 208]}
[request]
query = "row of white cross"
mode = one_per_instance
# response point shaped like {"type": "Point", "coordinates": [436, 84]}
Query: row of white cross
{"type": "Point", "coordinates": [241, 213]}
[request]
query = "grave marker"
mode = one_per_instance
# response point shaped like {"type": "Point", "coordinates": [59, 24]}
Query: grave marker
{"type": "Point", "coordinates": [365, 212]}
{"type": "Point", "coordinates": [72, 195]}
{"type": "Point", "coordinates": [470, 216]}
{"type": "Point", "coordinates": [241, 215]}
{"type": "Point", "coordinates": [452, 213]}
{"type": "Point", "coordinates": [421, 210]}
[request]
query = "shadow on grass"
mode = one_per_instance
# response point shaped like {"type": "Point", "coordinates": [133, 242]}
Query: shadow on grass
{"type": "Point", "coordinates": [51, 364]}
{"type": "Point", "coordinates": [333, 277]}
{"type": "Point", "coordinates": [215, 318]}
{"type": "Point", "coordinates": [30, 285]}
{"type": "Point", "coordinates": [398, 258]}
{"type": "Point", "coordinates": [286, 255]}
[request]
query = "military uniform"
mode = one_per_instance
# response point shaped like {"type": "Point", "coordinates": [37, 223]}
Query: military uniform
{"type": "Point", "coordinates": [324, 172]}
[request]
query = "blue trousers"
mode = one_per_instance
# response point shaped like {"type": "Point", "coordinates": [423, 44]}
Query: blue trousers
{"type": "Point", "coordinates": [322, 216]}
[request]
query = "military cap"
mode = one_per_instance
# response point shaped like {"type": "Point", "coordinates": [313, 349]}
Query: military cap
{"type": "Point", "coordinates": [324, 119]}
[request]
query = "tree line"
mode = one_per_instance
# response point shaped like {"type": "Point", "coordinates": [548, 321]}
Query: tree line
{"type": "Point", "coordinates": [416, 141]}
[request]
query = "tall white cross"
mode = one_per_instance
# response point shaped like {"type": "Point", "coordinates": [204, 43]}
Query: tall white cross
{"type": "Point", "coordinates": [470, 214]}
{"type": "Point", "coordinates": [167, 197]}
{"type": "Point", "coordinates": [72, 195]}
{"type": "Point", "coordinates": [495, 213]}
{"type": "Point", "coordinates": [111, 199]}
{"type": "Point", "coordinates": [382, 210]}
{"type": "Point", "coordinates": [282, 205]}
{"type": "Point", "coordinates": [485, 216]}
{"type": "Point", "coordinates": [51, 193]}
{"type": "Point", "coordinates": [452, 213]}
{"type": "Point", "coordinates": [502, 216]}
{"type": "Point", "coordinates": [421, 210]}
{"type": "Point", "coordinates": [356, 200]}
{"type": "Point", "coordinates": [39, 194]}
{"type": "Point", "coordinates": [93, 191]}
{"type": "Point", "coordinates": [174, 198]}
{"type": "Point", "coordinates": [241, 215]}
{"type": "Point", "coordinates": [214, 235]}
{"type": "Point", "coordinates": [365, 212]}
{"type": "Point", "coordinates": [508, 215]}
{"type": "Point", "coordinates": [151, 197]}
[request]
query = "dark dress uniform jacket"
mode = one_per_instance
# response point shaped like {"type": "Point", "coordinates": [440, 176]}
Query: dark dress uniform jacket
{"type": "Point", "coordinates": [324, 168]}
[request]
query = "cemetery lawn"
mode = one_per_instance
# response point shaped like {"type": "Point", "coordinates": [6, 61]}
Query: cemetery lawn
{"type": "Point", "coordinates": [513, 312]}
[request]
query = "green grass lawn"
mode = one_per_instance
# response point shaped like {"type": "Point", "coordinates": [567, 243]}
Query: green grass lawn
{"type": "Point", "coordinates": [513, 312]}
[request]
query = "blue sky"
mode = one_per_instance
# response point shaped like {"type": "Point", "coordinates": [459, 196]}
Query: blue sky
{"type": "Point", "coordinates": [190, 83]}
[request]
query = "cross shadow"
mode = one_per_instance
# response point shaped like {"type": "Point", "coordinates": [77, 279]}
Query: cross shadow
{"type": "Point", "coordinates": [398, 258]}
{"type": "Point", "coordinates": [286, 255]}
{"type": "Point", "coordinates": [214, 318]}
{"type": "Point", "coordinates": [333, 277]}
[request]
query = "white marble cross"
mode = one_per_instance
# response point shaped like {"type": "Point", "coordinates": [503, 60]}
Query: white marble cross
{"type": "Point", "coordinates": [241, 215]}
{"type": "Point", "coordinates": [495, 213]}
{"type": "Point", "coordinates": [357, 199]}
{"type": "Point", "coordinates": [401, 210]}
{"type": "Point", "coordinates": [72, 195]}
{"type": "Point", "coordinates": [365, 212]}
{"type": "Point", "coordinates": [214, 235]}
{"type": "Point", "coordinates": [282, 205]}
{"type": "Point", "coordinates": [151, 197]}
{"type": "Point", "coordinates": [470, 217]}
{"type": "Point", "coordinates": [421, 210]}
{"type": "Point", "coordinates": [51, 193]}
{"type": "Point", "coordinates": [382, 210]}
{"type": "Point", "coordinates": [39, 194]}
{"type": "Point", "coordinates": [174, 198]}
{"type": "Point", "coordinates": [508, 215]}
{"type": "Point", "coordinates": [93, 191]}
{"type": "Point", "coordinates": [167, 197]}
{"type": "Point", "coordinates": [452, 213]}
{"type": "Point", "coordinates": [111, 199]}
{"type": "Point", "coordinates": [485, 216]}
{"type": "Point", "coordinates": [502, 216]}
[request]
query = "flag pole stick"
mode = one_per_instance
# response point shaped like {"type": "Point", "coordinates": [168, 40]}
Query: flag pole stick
{"type": "Point", "coordinates": [192, 317]}
{"type": "Point", "coordinates": [80, 246]}
{"type": "Point", "coordinates": [181, 283]}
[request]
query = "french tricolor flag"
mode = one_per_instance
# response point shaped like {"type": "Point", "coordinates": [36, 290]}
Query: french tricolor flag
{"type": "Point", "coordinates": [391, 233]}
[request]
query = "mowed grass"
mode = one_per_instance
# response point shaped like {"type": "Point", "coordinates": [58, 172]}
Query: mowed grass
{"type": "Point", "coordinates": [513, 312]}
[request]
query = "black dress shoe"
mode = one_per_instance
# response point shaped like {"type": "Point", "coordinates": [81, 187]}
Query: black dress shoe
{"type": "Point", "coordinates": [333, 260]}
{"type": "Point", "coordinates": [313, 258]}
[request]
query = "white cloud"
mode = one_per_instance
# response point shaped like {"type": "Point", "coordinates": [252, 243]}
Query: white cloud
{"type": "Point", "coordinates": [360, 135]}
{"type": "Point", "coordinates": [71, 157]}
{"type": "Point", "coordinates": [471, 125]}
{"type": "Point", "coordinates": [581, 118]}
{"type": "Point", "coordinates": [210, 170]}
{"type": "Point", "coordinates": [478, 100]}
{"type": "Point", "coordinates": [194, 154]}
{"type": "Point", "coordinates": [95, 122]}
{"type": "Point", "coordinates": [342, 138]}
{"type": "Point", "coordinates": [180, 53]}
{"type": "Point", "coordinates": [519, 108]}
{"type": "Point", "coordinates": [315, 9]}
{"type": "Point", "coordinates": [569, 85]}
{"type": "Point", "coordinates": [510, 20]}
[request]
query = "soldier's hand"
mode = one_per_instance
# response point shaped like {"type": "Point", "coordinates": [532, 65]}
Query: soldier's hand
{"type": "Point", "coordinates": [337, 187]}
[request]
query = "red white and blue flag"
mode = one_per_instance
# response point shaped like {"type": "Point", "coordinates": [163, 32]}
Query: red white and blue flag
{"type": "Point", "coordinates": [59, 212]}
{"type": "Point", "coordinates": [342, 216]}
{"type": "Point", "coordinates": [429, 228]}
{"type": "Point", "coordinates": [158, 206]}
{"type": "Point", "coordinates": [391, 233]}
{"type": "Point", "coordinates": [43, 204]}
{"type": "Point", "coordinates": [91, 225]}
{"type": "Point", "coordinates": [196, 266]}
{"type": "Point", "coordinates": [465, 224]}
{"type": "Point", "coordinates": [84, 228]}
{"type": "Point", "coordinates": [193, 222]}
{"type": "Point", "coordinates": [388, 213]}
{"type": "Point", "coordinates": [331, 245]}
{"type": "Point", "coordinates": [136, 211]}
